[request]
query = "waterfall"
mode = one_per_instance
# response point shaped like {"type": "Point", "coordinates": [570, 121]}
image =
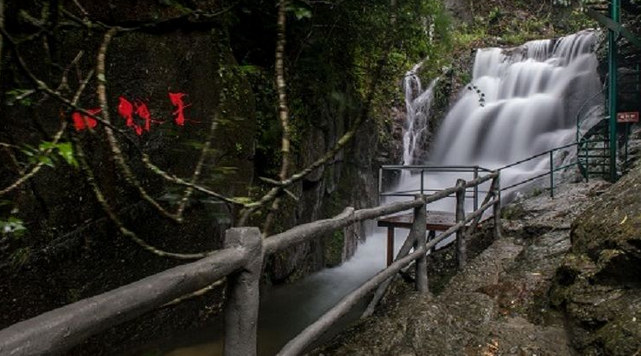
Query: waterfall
{"type": "Point", "coordinates": [418, 103]}
{"type": "Point", "coordinates": [522, 101]}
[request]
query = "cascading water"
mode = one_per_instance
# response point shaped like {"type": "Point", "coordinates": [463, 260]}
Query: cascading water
{"type": "Point", "coordinates": [522, 101]}
{"type": "Point", "coordinates": [418, 103]}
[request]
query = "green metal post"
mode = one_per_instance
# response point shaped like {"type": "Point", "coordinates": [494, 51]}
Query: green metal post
{"type": "Point", "coordinates": [612, 90]}
{"type": "Point", "coordinates": [552, 174]}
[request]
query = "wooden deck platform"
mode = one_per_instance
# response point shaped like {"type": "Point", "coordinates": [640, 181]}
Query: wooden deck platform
{"type": "Point", "coordinates": [435, 221]}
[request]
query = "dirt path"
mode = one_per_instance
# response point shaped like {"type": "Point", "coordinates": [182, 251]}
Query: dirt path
{"type": "Point", "coordinates": [497, 305]}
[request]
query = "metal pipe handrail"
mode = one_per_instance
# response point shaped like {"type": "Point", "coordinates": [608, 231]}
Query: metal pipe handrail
{"type": "Point", "coordinates": [537, 156]}
{"type": "Point", "coordinates": [584, 105]}
{"type": "Point", "coordinates": [434, 167]}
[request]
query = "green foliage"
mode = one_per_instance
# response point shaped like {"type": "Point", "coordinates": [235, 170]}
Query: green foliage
{"type": "Point", "coordinates": [50, 153]}
{"type": "Point", "coordinates": [13, 227]}
{"type": "Point", "coordinates": [300, 10]}
{"type": "Point", "coordinates": [20, 96]}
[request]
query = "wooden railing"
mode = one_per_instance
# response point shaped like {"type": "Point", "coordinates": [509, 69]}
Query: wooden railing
{"type": "Point", "coordinates": [241, 261]}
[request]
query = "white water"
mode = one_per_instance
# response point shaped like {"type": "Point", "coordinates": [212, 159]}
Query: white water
{"type": "Point", "coordinates": [532, 95]}
{"type": "Point", "coordinates": [418, 104]}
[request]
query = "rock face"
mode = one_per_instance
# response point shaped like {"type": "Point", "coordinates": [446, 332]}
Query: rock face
{"type": "Point", "coordinates": [599, 285]}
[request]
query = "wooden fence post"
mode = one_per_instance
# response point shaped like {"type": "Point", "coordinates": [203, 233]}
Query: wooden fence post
{"type": "Point", "coordinates": [419, 228]}
{"type": "Point", "coordinates": [241, 307]}
{"type": "Point", "coordinates": [496, 185]}
{"type": "Point", "coordinates": [461, 248]}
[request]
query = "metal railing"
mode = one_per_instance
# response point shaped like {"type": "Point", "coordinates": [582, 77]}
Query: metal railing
{"type": "Point", "coordinates": [241, 262]}
{"type": "Point", "coordinates": [552, 168]}
{"type": "Point", "coordinates": [475, 171]}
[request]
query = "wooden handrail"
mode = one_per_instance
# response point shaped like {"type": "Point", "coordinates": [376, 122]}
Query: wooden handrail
{"type": "Point", "coordinates": [57, 331]}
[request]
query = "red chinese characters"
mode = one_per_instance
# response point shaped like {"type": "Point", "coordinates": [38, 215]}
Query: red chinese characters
{"type": "Point", "coordinates": [136, 114]}
{"type": "Point", "coordinates": [127, 109]}
{"type": "Point", "coordinates": [82, 122]}
{"type": "Point", "coordinates": [177, 101]}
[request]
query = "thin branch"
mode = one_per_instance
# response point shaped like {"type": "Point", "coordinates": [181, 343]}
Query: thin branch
{"type": "Point", "coordinates": [82, 9]}
{"type": "Point", "coordinates": [8, 145]}
{"type": "Point", "coordinates": [13, 158]}
{"type": "Point", "coordinates": [89, 175]}
{"type": "Point", "coordinates": [172, 178]}
{"type": "Point", "coordinates": [196, 294]}
{"type": "Point", "coordinates": [64, 80]}
{"type": "Point", "coordinates": [283, 110]}
{"type": "Point", "coordinates": [199, 165]}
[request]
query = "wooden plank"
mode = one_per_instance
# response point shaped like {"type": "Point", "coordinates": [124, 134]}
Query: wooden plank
{"type": "Point", "coordinates": [435, 220]}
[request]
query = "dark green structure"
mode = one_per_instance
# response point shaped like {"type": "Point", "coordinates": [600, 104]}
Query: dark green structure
{"type": "Point", "coordinates": [615, 16]}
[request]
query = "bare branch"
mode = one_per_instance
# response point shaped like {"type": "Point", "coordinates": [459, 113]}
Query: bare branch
{"type": "Point", "coordinates": [82, 9]}
{"type": "Point", "coordinates": [172, 178]}
{"type": "Point", "coordinates": [283, 110]}
{"type": "Point", "coordinates": [199, 166]}
{"type": "Point", "coordinates": [196, 294]}
{"type": "Point", "coordinates": [89, 175]}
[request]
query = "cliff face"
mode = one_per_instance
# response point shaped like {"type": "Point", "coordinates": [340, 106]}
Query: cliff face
{"type": "Point", "coordinates": [599, 285]}
{"type": "Point", "coordinates": [70, 250]}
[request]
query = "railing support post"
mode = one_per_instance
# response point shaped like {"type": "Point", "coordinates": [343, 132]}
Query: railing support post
{"type": "Point", "coordinates": [552, 174]}
{"type": "Point", "coordinates": [476, 189]}
{"type": "Point", "coordinates": [419, 241]}
{"type": "Point", "coordinates": [461, 248]}
{"type": "Point", "coordinates": [241, 309]}
{"type": "Point", "coordinates": [496, 186]}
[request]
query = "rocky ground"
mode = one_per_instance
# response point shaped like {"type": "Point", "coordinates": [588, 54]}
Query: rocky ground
{"type": "Point", "coordinates": [500, 303]}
